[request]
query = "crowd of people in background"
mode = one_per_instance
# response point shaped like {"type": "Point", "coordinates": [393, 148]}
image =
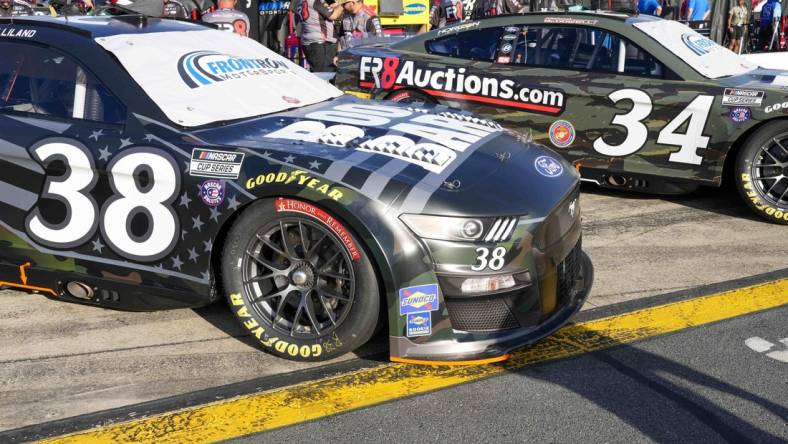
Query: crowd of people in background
{"type": "Point", "coordinates": [313, 31]}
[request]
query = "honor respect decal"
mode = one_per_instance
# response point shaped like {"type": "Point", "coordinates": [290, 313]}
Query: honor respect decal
{"type": "Point", "coordinates": [392, 73]}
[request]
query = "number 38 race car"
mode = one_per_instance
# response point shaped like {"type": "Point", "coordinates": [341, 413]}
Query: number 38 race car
{"type": "Point", "coordinates": [637, 103]}
{"type": "Point", "coordinates": [149, 164]}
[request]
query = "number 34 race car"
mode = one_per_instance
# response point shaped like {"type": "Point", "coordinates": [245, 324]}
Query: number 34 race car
{"type": "Point", "coordinates": [637, 103]}
{"type": "Point", "coordinates": [149, 164]}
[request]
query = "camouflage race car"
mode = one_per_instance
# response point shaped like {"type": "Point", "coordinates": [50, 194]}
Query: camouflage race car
{"type": "Point", "coordinates": [637, 103]}
{"type": "Point", "coordinates": [148, 164]}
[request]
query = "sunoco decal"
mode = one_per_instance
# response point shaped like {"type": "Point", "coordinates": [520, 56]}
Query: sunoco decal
{"type": "Point", "coordinates": [203, 68]}
{"type": "Point", "coordinates": [451, 83]}
{"type": "Point", "coordinates": [210, 163]}
{"type": "Point", "coordinates": [295, 206]}
{"type": "Point", "coordinates": [742, 97]}
{"type": "Point", "coordinates": [419, 324]}
{"type": "Point", "coordinates": [418, 299]}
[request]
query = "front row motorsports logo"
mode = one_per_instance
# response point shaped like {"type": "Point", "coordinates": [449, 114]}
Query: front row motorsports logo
{"type": "Point", "coordinates": [203, 68]}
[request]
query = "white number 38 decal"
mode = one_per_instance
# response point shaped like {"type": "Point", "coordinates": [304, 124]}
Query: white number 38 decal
{"type": "Point", "coordinates": [144, 181]}
{"type": "Point", "coordinates": [697, 112]}
{"type": "Point", "coordinates": [494, 261]}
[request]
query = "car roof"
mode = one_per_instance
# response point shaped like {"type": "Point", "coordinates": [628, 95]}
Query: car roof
{"type": "Point", "coordinates": [104, 26]}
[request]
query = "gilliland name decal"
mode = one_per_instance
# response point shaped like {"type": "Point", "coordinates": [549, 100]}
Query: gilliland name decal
{"type": "Point", "coordinates": [19, 33]}
{"type": "Point", "coordinates": [203, 68]}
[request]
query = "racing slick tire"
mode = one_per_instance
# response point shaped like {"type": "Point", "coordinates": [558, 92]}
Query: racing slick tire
{"type": "Point", "coordinates": [411, 96]}
{"type": "Point", "coordinates": [301, 290]}
{"type": "Point", "coordinates": [761, 172]}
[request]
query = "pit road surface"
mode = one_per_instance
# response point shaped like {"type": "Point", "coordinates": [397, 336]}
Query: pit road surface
{"type": "Point", "coordinates": [61, 360]}
{"type": "Point", "coordinates": [698, 385]}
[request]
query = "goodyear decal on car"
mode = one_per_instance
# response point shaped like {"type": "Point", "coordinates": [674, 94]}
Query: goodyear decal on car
{"type": "Point", "coordinates": [296, 177]}
{"type": "Point", "coordinates": [419, 324]}
{"type": "Point", "coordinates": [212, 163]}
{"type": "Point", "coordinates": [418, 299]}
{"type": "Point", "coordinates": [393, 73]}
{"type": "Point", "coordinates": [414, 8]}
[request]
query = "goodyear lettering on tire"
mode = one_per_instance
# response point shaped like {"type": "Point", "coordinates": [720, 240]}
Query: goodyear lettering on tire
{"type": "Point", "coordinates": [755, 198]}
{"type": "Point", "coordinates": [257, 330]}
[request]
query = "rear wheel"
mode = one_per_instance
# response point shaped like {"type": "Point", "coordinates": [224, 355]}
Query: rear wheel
{"type": "Point", "coordinates": [411, 96]}
{"type": "Point", "coordinates": [303, 292]}
{"type": "Point", "coordinates": [762, 172]}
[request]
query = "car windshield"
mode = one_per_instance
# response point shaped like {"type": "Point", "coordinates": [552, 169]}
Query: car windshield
{"type": "Point", "coordinates": [205, 76]}
{"type": "Point", "coordinates": [704, 55]}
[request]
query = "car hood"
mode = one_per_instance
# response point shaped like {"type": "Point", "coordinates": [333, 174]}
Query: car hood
{"type": "Point", "coordinates": [431, 161]}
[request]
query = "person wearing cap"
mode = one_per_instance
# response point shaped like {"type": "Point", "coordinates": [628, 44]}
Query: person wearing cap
{"type": "Point", "coordinates": [317, 33]}
{"type": "Point", "coordinates": [227, 18]}
{"type": "Point", "coordinates": [357, 22]}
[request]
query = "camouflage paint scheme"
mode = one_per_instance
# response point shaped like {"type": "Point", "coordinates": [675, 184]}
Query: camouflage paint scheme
{"type": "Point", "coordinates": [367, 191]}
{"type": "Point", "coordinates": [586, 103]}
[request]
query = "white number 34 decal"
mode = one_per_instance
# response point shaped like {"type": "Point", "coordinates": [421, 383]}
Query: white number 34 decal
{"type": "Point", "coordinates": [484, 259]}
{"type": "Point", "coordinates": [697, 112]}
{"type": "Point", "coordinates": [144, 181]}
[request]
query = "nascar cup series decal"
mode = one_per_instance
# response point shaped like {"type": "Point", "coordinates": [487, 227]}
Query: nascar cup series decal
{"type": "Point", "coordinates": [203, 68]}
{"type": "Point", "coordinates": [219, 164]}
{"type": "Point", "coordinates": [392, 73]}
{"type": "Point", "coordinates": [562, 133]}
{"type": "Point", "coordinates": [548, 167]}
{"type": "Point", "coordinates": [742, 97]}
{"type": "Point", "coordinates": [419, 324]}
{"type": "Point", "coordinates": [418, 299]}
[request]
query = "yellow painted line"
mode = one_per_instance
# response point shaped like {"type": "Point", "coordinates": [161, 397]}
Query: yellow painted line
{"type": "Point", "coordinates": [311, 400]}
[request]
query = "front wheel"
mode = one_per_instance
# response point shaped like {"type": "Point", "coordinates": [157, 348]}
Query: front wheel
{"type": "Point", "coordinates": [299, 281]}
{"type": "Point", "coordinates": [762, 172]}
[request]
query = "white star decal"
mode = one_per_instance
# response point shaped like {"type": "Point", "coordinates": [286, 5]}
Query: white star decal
{"type": "Point", "coordinates": [197, 223]}
{"type": "Point", "coordinates": [232, 203]}
{"type": "Point", "coordinates": [193, 256]}
{"type": "Point", "coordinates": [185, 200]}
{"type": "Point", "coordinates": [215, 213]}
{"type": "Point", "coordinates": [104, 153]}
{"type": "Point", "coordinates": [314, 164]}
{"type": "Point", "coordinates": [149, 137]}
{"type": "Point", "coordinates": [124, 143]}
{"type": "Point", "coordinates": [289, 159]}
{"type": "Point", "coordinates": [96, 134]}
{"type": "Point", "coordinates": [176, 262]}
{"type": "Point", "coordinates": [208, 245]}
{"type": "Point", "coordinates": [98, 246]}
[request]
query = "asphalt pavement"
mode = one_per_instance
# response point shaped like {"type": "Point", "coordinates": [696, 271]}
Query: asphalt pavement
{"type": "Point", "coordinates": [61, 360]}
{"type": "Point", "coordinates": [698, 385]}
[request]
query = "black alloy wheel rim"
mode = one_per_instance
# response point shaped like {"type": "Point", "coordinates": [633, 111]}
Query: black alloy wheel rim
{"type": "Point", "coordinates": [769, 170]}
{"type": "Point", "coordinates": [298, 275]}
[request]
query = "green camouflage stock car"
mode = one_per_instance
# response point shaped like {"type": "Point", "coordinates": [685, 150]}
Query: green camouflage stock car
{"type": "Point", "coordinates": [638, 103]}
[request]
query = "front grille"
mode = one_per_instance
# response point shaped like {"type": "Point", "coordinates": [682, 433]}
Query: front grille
{"type": "Point", "coordinates": [568, 272]}
{"type": "Point", "coordinates": [501, 229]}
{"type": "Point", "coordinates": [481, 314]}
